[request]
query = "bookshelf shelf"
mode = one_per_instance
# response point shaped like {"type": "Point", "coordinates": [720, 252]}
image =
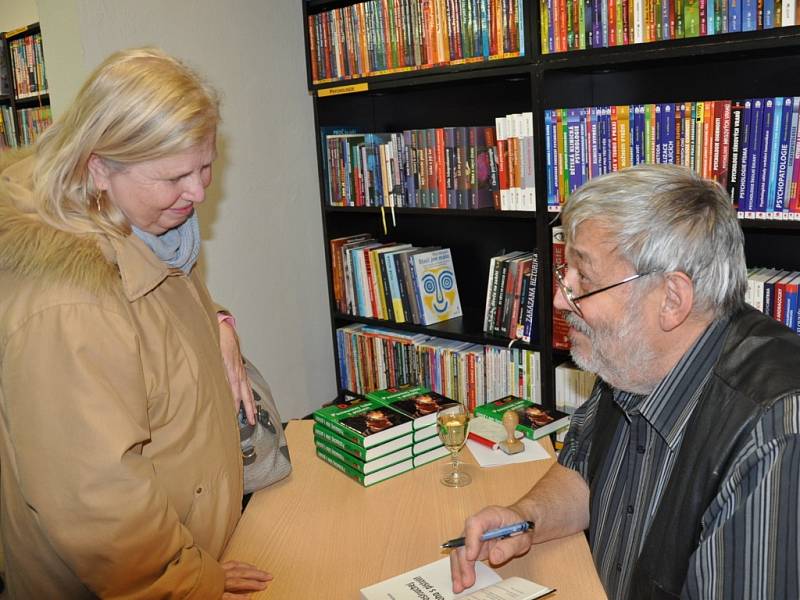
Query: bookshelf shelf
{"type": "Point", "coordinates": [755, 64]}
{"type": "Point", "coordinates": [726, 45]}
{"type": "Point", "coordinates": [466, 328]}
{"type": "Point", "coordinates": [24, 111]}
{"type": "Point", "coordinates": [445, 213]}
{"type": "Point", "coordinates": [434, 75]}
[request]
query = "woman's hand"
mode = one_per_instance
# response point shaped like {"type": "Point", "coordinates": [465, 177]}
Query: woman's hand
{"type": "Point", "coordinates": [242, 578]}
{"type": "Point", "coordinates": [234, 369]}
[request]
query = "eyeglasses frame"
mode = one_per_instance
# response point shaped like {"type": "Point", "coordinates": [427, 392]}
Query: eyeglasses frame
{"type": "Point", "coordinates": [570, 296]}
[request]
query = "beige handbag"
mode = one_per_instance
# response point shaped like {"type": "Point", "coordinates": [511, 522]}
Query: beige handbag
{"type": "Point", "coordinates": [264, 451]}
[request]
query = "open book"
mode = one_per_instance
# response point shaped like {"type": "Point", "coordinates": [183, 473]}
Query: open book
{"type": "Point", "coordinates": [432, 582]}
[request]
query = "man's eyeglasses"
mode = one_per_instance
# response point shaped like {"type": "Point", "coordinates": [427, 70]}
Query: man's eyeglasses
{"type": "Point", "coordinates": [572, 299]}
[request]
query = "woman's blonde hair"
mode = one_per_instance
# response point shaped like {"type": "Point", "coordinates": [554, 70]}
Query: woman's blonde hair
{"type": "Point", "coordinates": [139, 104]}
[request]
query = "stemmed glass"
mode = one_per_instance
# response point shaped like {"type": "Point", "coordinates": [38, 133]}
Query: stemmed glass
{"type": "Point", "coordinates": [453, 423]}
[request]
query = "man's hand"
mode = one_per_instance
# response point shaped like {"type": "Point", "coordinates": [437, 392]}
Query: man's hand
{"type": "Point", "coordinates": [462, 560]}
{"type": "Point", "coordinates": [234, 369]}
{"type": "Point", "coordinates": [242, 578]}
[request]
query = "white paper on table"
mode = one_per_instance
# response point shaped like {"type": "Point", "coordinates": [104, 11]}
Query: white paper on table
{"type": "Point", "coordinates": [486, 457]}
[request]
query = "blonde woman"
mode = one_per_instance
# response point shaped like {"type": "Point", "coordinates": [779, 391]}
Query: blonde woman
{"type": "Point", "coordinates": [119, 382]}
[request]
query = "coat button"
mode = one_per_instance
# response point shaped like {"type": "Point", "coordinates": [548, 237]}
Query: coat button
{"type": "Point", "coordinates": [199, 490]}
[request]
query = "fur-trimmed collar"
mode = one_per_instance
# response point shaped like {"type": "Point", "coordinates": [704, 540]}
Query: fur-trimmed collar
{"type": "Point", "coordinates": [30, 247]}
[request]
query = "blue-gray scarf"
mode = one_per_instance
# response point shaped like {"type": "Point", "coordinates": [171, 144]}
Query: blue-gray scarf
{"type": "Point", "coordinates": [178, 247]}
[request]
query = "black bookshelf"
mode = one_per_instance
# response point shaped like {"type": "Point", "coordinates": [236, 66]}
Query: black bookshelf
{"type": "Point", "coordinates": [16, 103]}
{"type": "Point", "coordinates": [724, 66]}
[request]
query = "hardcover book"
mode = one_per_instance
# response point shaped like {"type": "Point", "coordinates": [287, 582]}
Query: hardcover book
{"type": "Point", "coordinates": [372, 478]}
{"type": "Point", "coordinates": [435, 282]}
{"type": "Point", "coordinates": [535, 421]}
{"type": "Point", "coordinates": [366, 423]}
{"type": "Point", "coordinates": [363, 467]}
{"type": "Point", "coordinates": [364, 454]}
{"type": "Point", "coordinates": [417, 402]}
{"type": "Point", "coordinates": [430, 456]}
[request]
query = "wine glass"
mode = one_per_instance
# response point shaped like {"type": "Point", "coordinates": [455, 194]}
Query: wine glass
{"type": "Point", "coordinates": [453, 423]}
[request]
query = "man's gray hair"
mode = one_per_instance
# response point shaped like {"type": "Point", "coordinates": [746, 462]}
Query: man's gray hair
{"type": "Point", "coordinates": [667, 218]}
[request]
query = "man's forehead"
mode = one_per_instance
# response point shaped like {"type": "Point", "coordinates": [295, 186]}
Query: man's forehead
{"type": "Point", "coordinates": [592, 243]}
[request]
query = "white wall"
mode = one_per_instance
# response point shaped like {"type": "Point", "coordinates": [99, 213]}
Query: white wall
{"type": "Point", "coordinates": [17, 13]}
{"type": "Point", "coordinates": [262, 233]}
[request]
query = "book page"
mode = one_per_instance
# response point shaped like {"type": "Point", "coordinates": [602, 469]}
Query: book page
{"type": "Point", "coordinates": [429, 582]}
{"type": "Point", "coordinates": [513, 588]}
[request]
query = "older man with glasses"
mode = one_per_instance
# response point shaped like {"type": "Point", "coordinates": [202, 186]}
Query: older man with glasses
{"type": "Point", "coordinates": [683, 465]}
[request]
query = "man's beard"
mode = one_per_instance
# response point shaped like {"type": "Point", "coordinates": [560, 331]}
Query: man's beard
{"type": "Point", "coordinates": [620, 356]}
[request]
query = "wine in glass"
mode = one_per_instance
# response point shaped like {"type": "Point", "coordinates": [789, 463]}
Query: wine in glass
{"type": "Point", "coordinates": [453, 423]}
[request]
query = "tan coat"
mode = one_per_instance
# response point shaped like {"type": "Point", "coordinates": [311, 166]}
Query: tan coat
{"type": "Point", "coordinates": [121, 470]}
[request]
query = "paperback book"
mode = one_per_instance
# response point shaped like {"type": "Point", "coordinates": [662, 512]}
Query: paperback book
{"type": "Point", "coordinates": [535, 421]}
{"type": "Point", "coordinates": [435, 286]}
{"type": "Point", "coordinates": [432, 582]}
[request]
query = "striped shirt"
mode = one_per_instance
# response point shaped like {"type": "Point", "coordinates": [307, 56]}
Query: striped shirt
{"type": "Point", "coordinates": [750, 532]}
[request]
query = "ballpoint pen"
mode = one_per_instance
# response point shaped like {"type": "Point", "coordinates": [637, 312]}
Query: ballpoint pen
{"type": "Point", "coordinates": [494, 534]}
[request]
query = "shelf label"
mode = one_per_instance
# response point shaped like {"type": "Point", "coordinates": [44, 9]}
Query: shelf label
{"type": "Point", "coordinates": [14, 32]}
{"type": "Point", "coordinates": [343, 89]}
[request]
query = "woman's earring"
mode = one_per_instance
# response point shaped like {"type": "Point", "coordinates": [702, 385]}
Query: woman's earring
{"type": "Point", "coordinates": [97, 200]}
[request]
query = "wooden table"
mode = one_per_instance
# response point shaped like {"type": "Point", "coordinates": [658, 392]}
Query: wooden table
{"type": "Point", "coordinates": [323, 536]}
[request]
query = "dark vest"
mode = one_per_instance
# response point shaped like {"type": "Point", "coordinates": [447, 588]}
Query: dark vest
{"type": "Point", "coordinates": [759, 364]}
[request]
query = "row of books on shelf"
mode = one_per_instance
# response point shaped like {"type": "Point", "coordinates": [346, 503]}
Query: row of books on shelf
{"type": "Point", "coordinates": [394, 281]}
{"type": "Point", "coordinates": [445, 167]}
{"type": "Point", "coordinates": [511, 296]}
{"type": "Point", "coordinates": [580, 24]}
{"type": "Point", "coordinates": [775, 293]}
{"type": "Point", "coordinates": [749, 146]}
{"type": "Point", "coordinates": [23, 125]}
{"type": "Point", "coordinates": [573, 388]}
{"type": "Point", "coordinates": [374, 358]}
{"type": "Point", "coordinates": [378, 37]}
{"type": "Point", "coordinates": [27, 65]}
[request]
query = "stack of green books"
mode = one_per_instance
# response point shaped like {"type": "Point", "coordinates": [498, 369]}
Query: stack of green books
{"type": "Point", "coordinates": [382, 435]}
{"type": "Point", "coordinates": [421, 405]}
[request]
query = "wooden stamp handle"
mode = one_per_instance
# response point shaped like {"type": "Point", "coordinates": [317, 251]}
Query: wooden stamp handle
{"type": "Point", "coordinates": [510, 422]}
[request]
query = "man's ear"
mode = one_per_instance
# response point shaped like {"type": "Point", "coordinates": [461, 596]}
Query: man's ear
{"type": "Point", "coordinates": [678, 300]}
{"type": "Point", "coordinates": [99, 171]}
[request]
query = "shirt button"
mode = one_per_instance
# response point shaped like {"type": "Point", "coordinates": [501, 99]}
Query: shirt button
{"type": "Point", "coordinates": [630, 509]}
{"type": "Point", "coordinates": [640, 449]}
{"type": "Point", "coordinates": [619, 567]}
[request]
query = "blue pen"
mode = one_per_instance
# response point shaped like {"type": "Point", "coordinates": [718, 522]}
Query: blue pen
{"type": "Point", "coordinates": [494, 534]}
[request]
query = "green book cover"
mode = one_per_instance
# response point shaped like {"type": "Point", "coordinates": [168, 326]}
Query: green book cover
{"type": "Point", "coordinates": [416, 402]}
{"type": "Point", "coordinates": [372, 478]}
{"type": "Point", "coordinates": [535, 421]}
{"type": "Point", "coordinates": [366, 423]}
{"type": "Point", "coordinates": [691, 18]}
{"type": "Point", "coordinates": [363, 467]}
{"type": "Point", "coordinates": [364, 454]}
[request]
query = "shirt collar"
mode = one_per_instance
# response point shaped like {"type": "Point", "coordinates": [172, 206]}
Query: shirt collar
{"type": "Point", "coordinates": [668, 407]}
{"type": "Point", "coordinates": [140, 270]}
